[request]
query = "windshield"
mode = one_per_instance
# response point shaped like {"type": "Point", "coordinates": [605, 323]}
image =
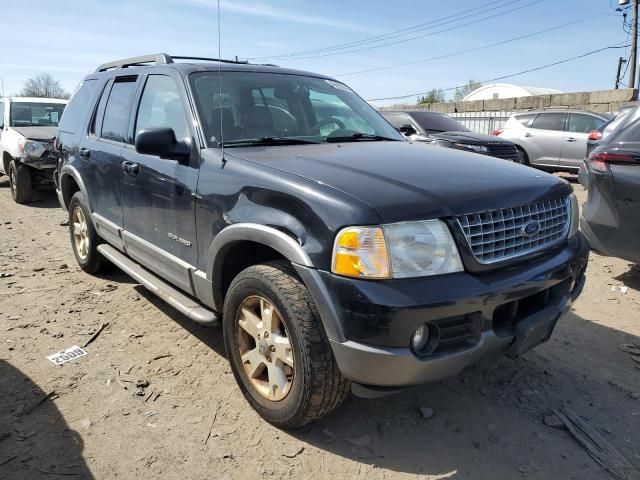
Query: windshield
{"type": "Point", "coordinates": [36, 114]}
{"type": "Point", "coordinates": [437, 122]}
{"type": "Point", "coordinates": [250, 108]}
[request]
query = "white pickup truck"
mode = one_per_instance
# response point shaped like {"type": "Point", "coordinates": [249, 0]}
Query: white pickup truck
{"type": "Point", "coordinates": [27, 129]}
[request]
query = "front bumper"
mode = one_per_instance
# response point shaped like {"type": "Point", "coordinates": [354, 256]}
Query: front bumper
{"type": "Point", "coordinates": [508, 311]}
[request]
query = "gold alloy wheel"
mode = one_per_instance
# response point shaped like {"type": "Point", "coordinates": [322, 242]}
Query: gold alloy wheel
{"type": "Point", "coordinates": [265, 348]}
{"type": "Point", "coordinates": [80, 234]}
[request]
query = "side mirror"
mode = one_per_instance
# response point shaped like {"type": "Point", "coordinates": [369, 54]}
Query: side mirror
{"type": "Point", "coordinates": [407, 130]}
{"type": "Point", "coordinates": [162, 143]}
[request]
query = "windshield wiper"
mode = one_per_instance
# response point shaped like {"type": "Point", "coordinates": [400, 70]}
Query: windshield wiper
{"type": "Point", "coordinates": [269, 141]}
{"type": "Point", "coordinates": [359, 136]}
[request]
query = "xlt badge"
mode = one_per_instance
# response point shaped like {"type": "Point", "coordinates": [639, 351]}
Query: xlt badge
{"type": "Point", "coordinates": [184, 242]}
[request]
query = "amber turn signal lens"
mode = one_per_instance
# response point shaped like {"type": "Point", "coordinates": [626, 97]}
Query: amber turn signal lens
{"type": "Point", "coordinates": [361, 252]}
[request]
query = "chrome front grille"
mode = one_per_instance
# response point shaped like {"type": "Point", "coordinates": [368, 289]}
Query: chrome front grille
{"type": "Point", "coordinates": [507, 233]}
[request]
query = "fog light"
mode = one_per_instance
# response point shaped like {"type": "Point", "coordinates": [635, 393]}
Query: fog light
{"type": "Point", "coordinates": [420, 338]}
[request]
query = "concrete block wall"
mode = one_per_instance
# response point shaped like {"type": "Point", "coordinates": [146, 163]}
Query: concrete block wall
{"type": "Point", "coordinates": [598, 101]}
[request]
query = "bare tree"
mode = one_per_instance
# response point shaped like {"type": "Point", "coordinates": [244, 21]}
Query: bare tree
{"type": "Point", "coordinates": [465, 90]}
{"type": "Point", "coordinates": [45, 86]}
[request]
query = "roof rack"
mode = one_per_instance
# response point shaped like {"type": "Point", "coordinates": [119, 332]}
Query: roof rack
{"type": "Point", "coordinates": [161, 59]}
{"type": "Point", "coordinates": [156, 59]}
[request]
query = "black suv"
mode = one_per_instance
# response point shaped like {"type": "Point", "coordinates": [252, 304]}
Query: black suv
{"type": "Point", "coordinates": [441, 130]}
{"type": "Point", "coordinates": [335, 253]}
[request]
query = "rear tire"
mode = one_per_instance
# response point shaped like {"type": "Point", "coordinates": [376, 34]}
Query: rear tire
{"type": "Point", "coordinates": [84, 239]}
{"type": "Point", "coordinates": [20, 183]}
{"type": "Point", "coordinates": [314, 384]}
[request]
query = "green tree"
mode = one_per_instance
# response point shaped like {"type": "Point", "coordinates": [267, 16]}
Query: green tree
{"type": "Point", "coordinates": [436, 95]}
{"type": "Point", "coordinates": [462, 92]}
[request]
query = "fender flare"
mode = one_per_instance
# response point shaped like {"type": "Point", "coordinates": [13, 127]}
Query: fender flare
{"type": "Point", "coordinates": [70, 171]}
{"type": "Point", "coordinates": [287, 246]}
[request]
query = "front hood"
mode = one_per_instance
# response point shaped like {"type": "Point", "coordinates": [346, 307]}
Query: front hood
{"type": "Point", "coordinates": [409, 181]}
{"type": "Point", "coordinates": [470, 137]}
{"type": "Point", "coordinates": [41, 134]}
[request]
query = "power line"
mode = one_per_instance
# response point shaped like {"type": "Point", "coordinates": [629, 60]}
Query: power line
{"type": "Point", "coordinates": [460, 52]}
{"type": "Point", "coordinates": [371, 47]}
{"type": "Point", "coordinates": [455, 27]}
{"type": "Point", "coordinates": [559, 62]}
{"type": "Point", "coordinates": [406, 30]}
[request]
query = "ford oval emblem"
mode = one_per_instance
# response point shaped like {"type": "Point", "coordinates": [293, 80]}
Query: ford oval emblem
{"type": "Point", "coordinates": [531, 228]}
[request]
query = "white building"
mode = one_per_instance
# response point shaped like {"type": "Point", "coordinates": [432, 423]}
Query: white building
{"type": "Point", "coordinates": [506, 90]}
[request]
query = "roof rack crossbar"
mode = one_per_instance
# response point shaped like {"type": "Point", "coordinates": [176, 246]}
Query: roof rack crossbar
{"type": "Point", "coordinates": [208, 59]}
{"type": "Point", "coordinates": [156, 59]}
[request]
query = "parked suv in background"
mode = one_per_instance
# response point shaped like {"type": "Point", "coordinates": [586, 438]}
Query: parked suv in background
{"type": "Point", "coordinates": [334, 252]}
{"type": "Point", "coordinates": [552, 139]}
{"type": "Point", "coordinates": [441, 130]}
{"type": "Point", "coordinates": [611, 215]}
{"type": "Point", "coordinates": [27, 129]}
{"type": "Point", "coordinates": [601, 135]}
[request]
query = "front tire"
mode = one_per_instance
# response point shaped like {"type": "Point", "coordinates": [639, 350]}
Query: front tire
{"type": "Point", "coordinates": [278, 350]}
{"type": "Point", "coordinates": [84, 239]}
{"type": "Point", "coordinates": [20, 183]}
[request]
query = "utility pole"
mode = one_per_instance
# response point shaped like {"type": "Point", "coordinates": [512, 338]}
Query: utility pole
{"type": "Point", "coordinates": [634, 46]}
{"type": "Point", "coordinates": [621, 61]}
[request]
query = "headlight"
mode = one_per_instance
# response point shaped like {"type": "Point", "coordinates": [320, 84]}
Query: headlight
{"type": "Point", "coordinates": [399, 250]}
{"type": "Point", "coordinates": [575, 215]}
{"type": "Point", "coordinates": [475, 148]}
{"type": "Point", "coordinates": [30, 148]}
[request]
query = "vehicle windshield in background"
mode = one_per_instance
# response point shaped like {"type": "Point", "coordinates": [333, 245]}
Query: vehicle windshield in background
{"type": "Point", "coordinates": [431, 123]}
{"type": "Point", "coordinates": [270, 108]}
{"type": "Point", "coordinates": [36, 114]}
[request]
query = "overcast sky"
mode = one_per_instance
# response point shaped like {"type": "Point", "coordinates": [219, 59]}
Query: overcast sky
{"type": "Point", "coordinates": [69, 38]}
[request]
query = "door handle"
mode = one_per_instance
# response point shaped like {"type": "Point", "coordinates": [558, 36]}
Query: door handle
{"type": "Point", "coordinates": [130, 168]}
{"type": "Point", "coordinates": [527, 135]}
{"type": "Point", "coordinates": [570, 139]}
{"type": "Point", "coordinates": [85, 153]}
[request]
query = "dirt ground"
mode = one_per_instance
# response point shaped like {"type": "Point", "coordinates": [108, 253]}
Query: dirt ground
{"type": "Point", "coordinates": [87, 418]}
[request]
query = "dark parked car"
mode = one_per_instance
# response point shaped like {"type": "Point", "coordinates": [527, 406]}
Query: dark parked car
{"type": "Point", "coordinates": [443, 131]}
{"type": "Point", "coordinates": [611, 215]}
{"type": "Point", "coordinates": [601, 135]}
{"type": "Point", "coordinates": [334, 253]}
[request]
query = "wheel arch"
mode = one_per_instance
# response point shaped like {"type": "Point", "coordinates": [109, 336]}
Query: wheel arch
{"type": "Point", "coordinates": [237, 243]}
{"type": "Point", "coordinates": [70, 183]}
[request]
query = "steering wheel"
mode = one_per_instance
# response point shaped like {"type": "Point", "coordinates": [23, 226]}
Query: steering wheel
{"type": "Point", "coordinates": [329, 121]}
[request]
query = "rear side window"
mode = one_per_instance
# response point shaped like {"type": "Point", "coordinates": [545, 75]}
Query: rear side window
{"type": "Point", "coordinates": [549, 121]}
{"type": "Point", "coordinates": [525, 119]}
{"type": "Point", "coordinates": [580, 123]}
{"type": "Point", "coordinates": [115, 125]}
{"type": "Point", "coordinates": [161, 107]}
{"type": "Point", "coordinates": [79, 106]}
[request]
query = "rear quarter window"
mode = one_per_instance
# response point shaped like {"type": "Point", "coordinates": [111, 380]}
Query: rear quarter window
{"type": "Point", "coordinates": [78, 107]}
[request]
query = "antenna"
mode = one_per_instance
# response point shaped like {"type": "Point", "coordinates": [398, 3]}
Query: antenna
{"type": "Point", "coordinates": [220, 85]}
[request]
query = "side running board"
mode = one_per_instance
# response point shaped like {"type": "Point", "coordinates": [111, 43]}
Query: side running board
{"type": "Point", "coordinates": [174, 297]}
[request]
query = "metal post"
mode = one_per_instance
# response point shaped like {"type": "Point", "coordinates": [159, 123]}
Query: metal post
{"type": "Point", "coordinates": [621, 61]}
{"type": "Point", "coordinates": [634, 46]}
